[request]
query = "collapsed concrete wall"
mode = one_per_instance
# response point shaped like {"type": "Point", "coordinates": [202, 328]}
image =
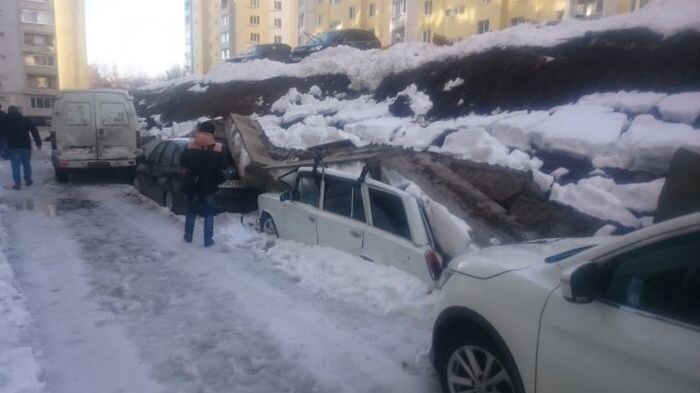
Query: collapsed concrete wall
{"type": "Point", "coordinates": [540, 78]}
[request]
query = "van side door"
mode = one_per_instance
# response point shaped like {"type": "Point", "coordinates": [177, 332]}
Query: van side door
{"type": "Point", "coordinates": [342, 221]}
{"type": "Point", "coordinates": [116, 127]}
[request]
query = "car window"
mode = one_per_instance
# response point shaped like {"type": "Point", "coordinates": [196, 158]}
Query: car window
{"type": "Point", "coordinates": [662, 278]}
{"type": "Point", "coordinates": [155, 154]}
{"type": "Point", "coordinates": [308, 190]}
{"type": "Point", "coordinates": [344, 198]}
{"type": "Point", "coordinates": [388, 213]}
{"type": "Point", "coordinates": [168, 156]}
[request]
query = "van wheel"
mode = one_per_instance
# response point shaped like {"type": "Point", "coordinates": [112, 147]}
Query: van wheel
{"type": "Point", "coordinates": [474, 363]}
{"type": "Point", "coordinates": [267, 225]}
{"type": "Point", "coordinates": [61, 175]}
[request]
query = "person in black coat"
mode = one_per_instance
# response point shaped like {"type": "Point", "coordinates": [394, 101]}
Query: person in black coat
{"type": "Point", "coordinates": [204, 162]}
{"type": "Point", "coordinates": [3, 149]}
{"type": "Point", "coordinates": [18, 130]}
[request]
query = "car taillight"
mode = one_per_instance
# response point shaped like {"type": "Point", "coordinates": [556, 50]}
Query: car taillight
{"type": "Point", "coordinates": [434, 265]}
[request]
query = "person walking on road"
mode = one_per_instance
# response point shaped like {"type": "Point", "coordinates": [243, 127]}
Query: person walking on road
{"type": "Point", "coordinates": [19, 145]}
{"type": "Point", "coordinates": [205, 163]}
{"type": "Point", "coordinates": [3, 138]}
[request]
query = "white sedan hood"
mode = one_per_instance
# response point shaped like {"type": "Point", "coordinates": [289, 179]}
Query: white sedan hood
{"type": "Point", "coordinates": [492, 261]}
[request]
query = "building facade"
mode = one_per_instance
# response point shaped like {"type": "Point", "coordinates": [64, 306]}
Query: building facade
{"type": "Point", "coordinates": [42, 50]}
{"type": "Point", "coordinates": [219, 29]}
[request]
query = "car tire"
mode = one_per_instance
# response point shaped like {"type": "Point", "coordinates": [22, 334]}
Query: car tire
{"type": "Point", "coordinates": [267, 225]}
{"type": "Point", "coordinates": [461, 357]}
{"type": "Point", "coordinates": [61, 175]}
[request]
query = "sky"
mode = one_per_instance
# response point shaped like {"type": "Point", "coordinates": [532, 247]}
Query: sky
{"type": "Point", "coordinates": [138, 36]}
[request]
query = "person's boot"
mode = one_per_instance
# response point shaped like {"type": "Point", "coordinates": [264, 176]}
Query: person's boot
{"type": "Point", "coordinates": [29, 182]}
{"type": "Point", "coordinates": [17, 187]}
{"type": "Point", "coordinates": [208, 243]}
{"type": "Point", "coordinates": [188, 237]}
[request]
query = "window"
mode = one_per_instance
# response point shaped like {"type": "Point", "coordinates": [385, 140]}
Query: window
{"type": "Point", "coordinates": [662, 279]}
{"type": "Point", "coordinates": [372, 9]}
{"type": "Point", "coordinates": [224, 4]}
{"type": "Point", "coordinates": [343, 198]}
{"type": "Point", "coordinates": [41, 82]}
{"type": "Point", "coordinates": [41, 102]}
{"type": "Point", "coordinates": [308, 190]}
{"type": "Point", "coordinates": [255, 37]}
{"type": "Point", "coordinates": [225, 20]}
{"type": "Point", "coordinates": [399, 8]}
{"type": "Point", "coordinates": [388, 213]}
{"type": "Point", "coordinates": [39, 60]}
{"type": "Point", "coordinates": [278, 39]}
{"type": "Point", "coordinates": [113, 114]}
{"type": "Point", "coordinates": [278, 23]}
{"type": "Point", "coordinates": [38, 40]}
{"type": "Point", "coordinates": [225, 54]}
{"type": "Point", "coordinates": [255, 20]}
{"type": "Point", "coordinates": [352, 12]}
{"type": "Point", "coordinates": [427, 36]}
{"type": "Point", "coordinates": [168, 156]}
{"type": "Point", "coordinates": [428, 8]}
{"type": "Point", "coordinates": [255, 3]}
{"type": "Point", "coordinates": [335, 24]}
{"type": "Point", "coordinates": [278, 5]}
{"type": "Point", "coordinates": [225, 37]}
{"type": "Point", "coordinates": [517, 21]}
{"type": "Point", "coordinates": [37, 17]}
{"type": "Point", "coordinates": [482, 26]}
{"type": "Point", "coordinates": [336, 2]}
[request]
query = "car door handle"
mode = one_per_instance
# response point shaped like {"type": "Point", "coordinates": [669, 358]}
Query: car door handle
{"type": "Point", "coordinates": [312, 218]}
{"type": "Point", "coordinates": [356, 234]}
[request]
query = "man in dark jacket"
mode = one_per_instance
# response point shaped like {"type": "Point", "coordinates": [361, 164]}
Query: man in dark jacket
{"type": "Point", "coordinates": [3, 139]}
{"type": "Point", "coordinates": [205, 162]}
{"type": "Point", "coordinates": [17, 131]}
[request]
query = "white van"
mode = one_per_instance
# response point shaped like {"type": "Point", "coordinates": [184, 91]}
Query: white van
{"type": "Point", "coordinates": [93, 129]}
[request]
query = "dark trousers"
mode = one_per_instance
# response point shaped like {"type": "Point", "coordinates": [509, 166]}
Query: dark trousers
{"type": "Point", "coordinates": [21, 159]}
{"type": "Point", "coordinates": [4, 153]}
{"type": "Point", "coordinates": [205, 204]}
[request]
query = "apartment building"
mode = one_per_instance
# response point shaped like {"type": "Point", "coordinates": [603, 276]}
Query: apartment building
{"type": "Point", "coordinates": [42, 50]}
{"type": "Point", "coordinates": [317, 16]}
{"type": "Point", "coordinates": [219, 29]}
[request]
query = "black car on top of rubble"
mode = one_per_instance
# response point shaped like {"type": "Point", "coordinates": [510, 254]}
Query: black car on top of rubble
{"type": "Point", "coordinates": [159, 176]}
{"type": "Point", "coordinates": [356, 38]}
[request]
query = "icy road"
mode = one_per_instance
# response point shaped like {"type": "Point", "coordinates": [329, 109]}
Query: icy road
{"type": "Point", "coordinates": [119, 303]}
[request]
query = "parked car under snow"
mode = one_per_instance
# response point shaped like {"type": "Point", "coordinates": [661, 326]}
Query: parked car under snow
{"type": "Point", "coordinates": [361, 216]}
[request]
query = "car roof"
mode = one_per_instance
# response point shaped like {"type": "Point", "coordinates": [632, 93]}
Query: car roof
{"type": "Point", "coordinates": [354, 177]}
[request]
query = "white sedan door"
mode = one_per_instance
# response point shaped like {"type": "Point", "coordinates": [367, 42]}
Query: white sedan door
{"type": "Point", "coordinates": [643, 333]}
{"type": "Point", "coordinates": [341, 221]}
{"type": "Point", "coordinates": [300, 213]}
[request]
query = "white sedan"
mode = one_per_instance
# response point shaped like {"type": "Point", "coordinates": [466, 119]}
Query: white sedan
{"type": "Point", "coordinates": [361, 216]}
{"type": "Point", "coordinates": [607, 315]}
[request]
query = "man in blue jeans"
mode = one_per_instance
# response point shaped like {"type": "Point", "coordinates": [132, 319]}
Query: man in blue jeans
{"type": "Point", "coordinates": [19, 144]}
{"type": "Point", "coordinates": [205, 163]}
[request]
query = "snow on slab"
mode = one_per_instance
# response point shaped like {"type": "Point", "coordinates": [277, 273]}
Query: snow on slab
{"type": "Point", "coordinates": [420, 102]}
{"type": "Point", "coordinates": [684, 107]}
{"type": "Point", "coordinates": [592, 199]}
{"type": "Point", "coordinates": [584, 130]}
{"type": "Point", "coordinates": [375, 130]}
{"type": "Point", "coordinates": [366, 69]}
{"type": "Point", "coordinates": [625, 101]}
{"type": "Point", "coordinates": [639, 197]}
{"type": "Point", "coordinates": [514, 131]}
{"type": "Point", "coordinates": [308, 134]}
{"type": "Point", "coordinates": [649, 145]}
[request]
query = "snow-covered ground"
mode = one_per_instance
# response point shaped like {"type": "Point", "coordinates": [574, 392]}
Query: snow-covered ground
{"type": "Point", "coordinates": [99, 294]}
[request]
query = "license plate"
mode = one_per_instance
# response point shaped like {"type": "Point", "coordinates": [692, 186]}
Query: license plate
{"type": "Point", "coordinates": [99, 164]}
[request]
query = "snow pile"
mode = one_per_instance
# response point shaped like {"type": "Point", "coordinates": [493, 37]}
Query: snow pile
{"type": "Point", "coordinates": [649, 145]}
{"type": "Point", "coordinates": [420, 102]}
{"type": "Point", "coordinates": [684, 107]}
{"type": "Point", "coordinates": [330, 273]}
{"type": "Point", "coordinates": [366, 69]}
{"type": "Point", "coordinates": [176, 130]}
{"type": "Point", "coordinates": [625, 101]}
{"type": "Point", "coordinates": [19, 369]}
{"type": "Point", "coordinates": [602, 198]}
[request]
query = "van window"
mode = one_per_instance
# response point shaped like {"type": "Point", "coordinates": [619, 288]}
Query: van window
{"type": "Point", "coordinates": [113, 114]}
{"type": "Point", "coordinates": [388, 213]}
{"type": "Point", "coordinates": [308, 190]}
{"type": "Point", "coordinates": [76, 114]}
{"type": "Point", "coordinates": [343, 198]}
